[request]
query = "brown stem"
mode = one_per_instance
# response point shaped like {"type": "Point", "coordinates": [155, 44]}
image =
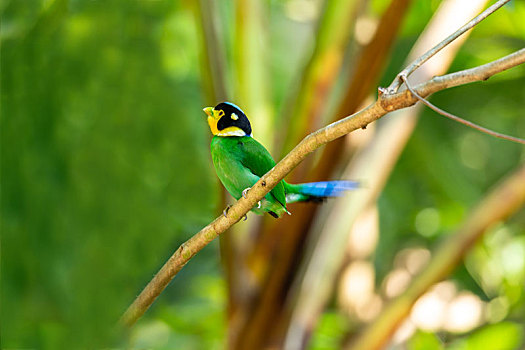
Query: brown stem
{"type": "Point", "coordinates": [504, 200]}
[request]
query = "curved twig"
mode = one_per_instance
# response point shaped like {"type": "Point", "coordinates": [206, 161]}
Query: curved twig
{"type": "Point", "coordinates": [394, 87]}
{"type": "Point", "coordinates": [458, 119]}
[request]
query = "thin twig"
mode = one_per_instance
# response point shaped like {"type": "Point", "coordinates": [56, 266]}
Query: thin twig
{"type": "Point", "coordinates": [384, 104]}
{"type": "Point", "coordinates": [394, 87]}
{"type": "Point", "coordinates": [460, 120]}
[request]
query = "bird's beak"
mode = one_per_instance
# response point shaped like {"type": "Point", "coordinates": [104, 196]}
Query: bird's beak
{"type": "Point", "coordinates": [208, 111]}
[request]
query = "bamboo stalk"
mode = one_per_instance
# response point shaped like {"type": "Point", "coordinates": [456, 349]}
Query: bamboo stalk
{"type": "Point", "coordinates": [252, 79]}
{"type": "Point", "coordinates": [306, 103]}
{"type": "Point", "coordinates": [212, 54]}
{"type": "Point", "coordinates": [367, 71]}
{"type": "Point", "coordinates": [373, 165]}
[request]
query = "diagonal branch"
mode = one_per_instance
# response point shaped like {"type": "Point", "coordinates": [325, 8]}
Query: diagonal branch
{"type": "Point", "coordinates": [467, 76]}
{"type": "Point", "coordinates": [479, 73]}
{"type": "Point", "coordinates": [385, 103]}
{"type": "Point", "coordinates": [394, 87]}
{"type": "Point", "coordinates": [503, 201]}
{"type": "Point", "coordinates": [458, 119]}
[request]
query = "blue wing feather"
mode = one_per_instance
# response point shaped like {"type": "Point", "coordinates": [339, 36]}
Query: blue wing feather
{"type": "Point", "coordinates": [317, 191]}
{"type": "Point", "coordinates": [327, 188]}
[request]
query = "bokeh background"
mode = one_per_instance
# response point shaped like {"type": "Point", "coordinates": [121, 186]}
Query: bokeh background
{"type": "Point", "coordinates": [105, 171]}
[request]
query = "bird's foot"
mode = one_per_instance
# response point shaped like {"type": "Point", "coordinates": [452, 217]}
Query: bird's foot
{"type": "Point", "coordinates": [244, 196]}
{"type": "Point", "coordinates": [225, 211]}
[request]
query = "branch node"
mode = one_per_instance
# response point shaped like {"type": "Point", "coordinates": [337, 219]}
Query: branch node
{"type": "Point", "coordinates": [184, 251]}
{"type": "Point", "coordinates": [394, 87]}
{"type": "Point", "coordinates": [381, 91]}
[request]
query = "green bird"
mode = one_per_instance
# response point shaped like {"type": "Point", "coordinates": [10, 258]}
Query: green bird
{"type": "Point", "coordinates": [240, 161]}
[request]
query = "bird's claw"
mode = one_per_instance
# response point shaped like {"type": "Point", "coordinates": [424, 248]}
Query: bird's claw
{"type": "Point", "coordinates": [225, 211]}
{"type": "Point", "coordinates": [244, 196]}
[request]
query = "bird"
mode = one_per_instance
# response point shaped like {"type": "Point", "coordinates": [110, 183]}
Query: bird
{"type": "Point", "coordinates": [240, 161]}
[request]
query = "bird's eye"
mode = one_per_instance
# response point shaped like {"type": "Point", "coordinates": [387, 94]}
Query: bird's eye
{"type": "Point", "coordinates": [234, 116]}
{"type": "Point", "coordinates": [221, 113]}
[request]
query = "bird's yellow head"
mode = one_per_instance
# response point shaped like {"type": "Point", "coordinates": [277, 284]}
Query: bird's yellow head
{"type": "Point", "coordinates": [226, 119]}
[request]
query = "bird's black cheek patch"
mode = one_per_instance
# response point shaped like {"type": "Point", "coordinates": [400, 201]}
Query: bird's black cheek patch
{"type": "Point", "coordinates": [244, 124]}
{"type": "Point", "coordinates": [241, 123]}
{"type": "Point", "coordinates": [227, 121]}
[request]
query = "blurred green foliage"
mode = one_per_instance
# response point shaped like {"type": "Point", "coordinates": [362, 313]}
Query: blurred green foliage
{"type": "Point", "coordinates": [105, 171]}
{"type": "Point", "coordinates": [502, 336]}
{"type": "Point", "coordinates": [424, 341]}
{"type": "Point", "coordinates": [105, 164]}
{"type": "Point", "coordinates": [330, 332]}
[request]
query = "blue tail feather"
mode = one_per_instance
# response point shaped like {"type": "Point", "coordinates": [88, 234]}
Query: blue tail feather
{"type": "Point", "coordinates": [327, 188]}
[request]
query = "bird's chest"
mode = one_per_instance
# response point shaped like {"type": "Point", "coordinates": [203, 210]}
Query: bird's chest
{"type": "Point", "coordinates": [227, 159]}
{"type": "Point", "coordinates": [226, 154]}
